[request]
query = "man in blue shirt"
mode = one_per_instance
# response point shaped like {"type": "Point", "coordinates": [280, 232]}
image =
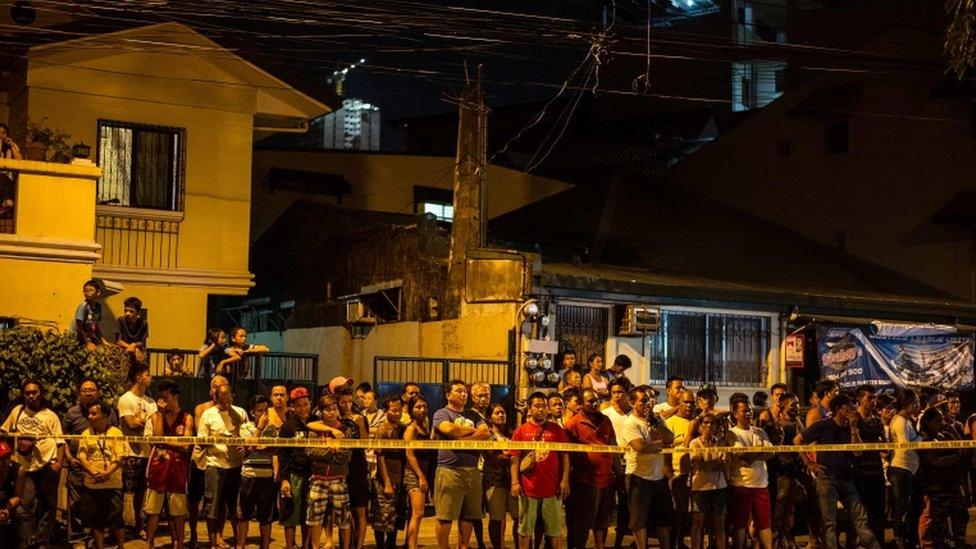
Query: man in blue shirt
{"type": "Point", "coordinates": [457, 482]}
{"type": "Point", "coordinates": [834, 474]}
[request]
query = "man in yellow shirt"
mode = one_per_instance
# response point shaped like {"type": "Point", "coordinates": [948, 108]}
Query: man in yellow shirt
{"type": "Point", "coordinates": [101, 500]}
{"type": "Point", "coordinates": [681, 464]}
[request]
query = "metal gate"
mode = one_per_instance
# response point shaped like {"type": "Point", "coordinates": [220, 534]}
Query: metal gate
{"type": "Point", "coordinates": [583, 328]}
{"type": "Point", "coordinates": [390, 373]}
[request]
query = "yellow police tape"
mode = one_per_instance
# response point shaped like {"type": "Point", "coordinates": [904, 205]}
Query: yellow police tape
{"type": "Point", "coordinates": [397, 444]}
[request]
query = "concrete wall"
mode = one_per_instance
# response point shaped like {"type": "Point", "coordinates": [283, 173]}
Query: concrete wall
{"type": "Point", "coordinates": [50, 255]}
{"type": "Point", "coordinates": [477, 336]}
{"type": "Point", "coordinates": [385, 182]}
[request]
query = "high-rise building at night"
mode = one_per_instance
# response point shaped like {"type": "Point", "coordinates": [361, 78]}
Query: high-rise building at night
{"type": "Point", "coordinates": [355, 126]}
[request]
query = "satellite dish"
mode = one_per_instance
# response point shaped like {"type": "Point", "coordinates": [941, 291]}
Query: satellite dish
{"type": "Point", "coordinates": [23, 13]}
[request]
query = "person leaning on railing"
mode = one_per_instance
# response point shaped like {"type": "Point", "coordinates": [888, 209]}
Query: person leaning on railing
{"type": "Point", "coordinates": [174, 364]}
{"type": "Point", "coordinates": [8, 149]}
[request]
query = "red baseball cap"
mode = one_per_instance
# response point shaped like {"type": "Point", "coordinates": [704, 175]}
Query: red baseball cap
{"type": "Point", "coordinates": [297, 393]}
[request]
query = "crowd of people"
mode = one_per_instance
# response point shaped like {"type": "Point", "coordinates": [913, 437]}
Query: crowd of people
{"type": "Point", "coordinates": [217, 355]}
{"type": "Point", "coordinates": [327, 496]}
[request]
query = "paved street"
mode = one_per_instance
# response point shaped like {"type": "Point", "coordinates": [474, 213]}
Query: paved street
{"type": "Point", "coordinates": [427, 538]}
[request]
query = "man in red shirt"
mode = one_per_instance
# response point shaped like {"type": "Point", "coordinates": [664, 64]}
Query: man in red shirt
{"type": "Point", "coordinates": [591, 477]}
{"type": "Point", "coordinates": [540, 478]}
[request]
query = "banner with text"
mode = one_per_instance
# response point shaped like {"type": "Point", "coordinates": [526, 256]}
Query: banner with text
{"type": "Point", "coordinates": [894, 355]}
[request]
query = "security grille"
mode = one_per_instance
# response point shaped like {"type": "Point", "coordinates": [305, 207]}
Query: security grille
{"type": "Point", "coordinates": [583, 328]}
{"type": "Point", "coordinates": [718, 349]}
{"type": "Point", "coordinates": [142, 166]}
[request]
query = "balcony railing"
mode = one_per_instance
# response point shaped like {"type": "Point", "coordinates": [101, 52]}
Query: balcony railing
{"type": "Point", "coordinates": [138, 238]}
{"type": "Point", "coordinates": [289, 367]}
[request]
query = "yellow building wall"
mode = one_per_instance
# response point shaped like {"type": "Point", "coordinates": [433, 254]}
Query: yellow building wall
{"type": "Point", "coordinates": [177, 316]}
{"type": "Point", "coordinates": [45, 291]}
{"type": "Point", "coordinates": [214, 231]}
{"type": "Point", "coordinates": [385, 182]}
{"type": "Point", "coordinates": [48, 258]}
{"type": "Point", "coordinates": [75, 88]}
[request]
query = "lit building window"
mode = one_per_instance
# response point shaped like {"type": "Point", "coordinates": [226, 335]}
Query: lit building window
{"type": "Point", "coordinates": [443, 212]}
{"type": "Point", "coordinates": [142, 166]}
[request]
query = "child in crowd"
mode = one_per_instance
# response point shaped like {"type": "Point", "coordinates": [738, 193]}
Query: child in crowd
{"type": "Point", "coordinates": [212, 352]}
{"type": "Point", "coordinates": [235, 364]}
{"type": "Point", "coordinates": [131, 330]}
{"type": "Point", "coordinates": [174, 364]}
{"type": "Point", "coordinates": [88, 315]}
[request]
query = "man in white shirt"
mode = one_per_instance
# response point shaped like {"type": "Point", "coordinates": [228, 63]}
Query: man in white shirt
{"type": "Point", "coordinates": [648, 494]}
{"type": "Point", "coordinates": [135, 409]}
{"type": "Point", "coordinates": [223, 474]}
{"type": "Point", "coordinates": [750, 479]}
{"type": "Point", "coordinates": [618, 412]}
{"type": "Point", "coordinates": [41, 459]}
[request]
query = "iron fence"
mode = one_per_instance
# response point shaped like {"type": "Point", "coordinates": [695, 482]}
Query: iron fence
{"type": "Point", "coordinates": [290, 367]}
{"type": "Point", "coordinates": [390, 373]}
{"type": "Point", "coordinates": [398, 369]}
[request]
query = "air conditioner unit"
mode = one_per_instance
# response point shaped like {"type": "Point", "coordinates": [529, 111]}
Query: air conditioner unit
{"type": "Point", "coordinates": [637, 320]}
{"type": "Point", "coordinates": [358, 313]}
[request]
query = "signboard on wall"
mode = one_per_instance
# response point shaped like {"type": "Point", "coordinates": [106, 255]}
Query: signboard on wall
{"type": "Point", "coordinates": [892, 356]}
{"type": "Point", "coordinates": [795, 344]}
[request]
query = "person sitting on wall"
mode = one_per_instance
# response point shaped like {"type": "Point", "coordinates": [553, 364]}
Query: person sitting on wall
{"type": "Point", "coordinates": [131, 331]}
{"type": "Point", "coordinates": [88, 315]}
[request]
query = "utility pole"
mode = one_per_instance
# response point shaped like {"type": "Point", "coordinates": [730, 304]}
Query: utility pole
{"type": "Point", "coordinates": [468, 227]}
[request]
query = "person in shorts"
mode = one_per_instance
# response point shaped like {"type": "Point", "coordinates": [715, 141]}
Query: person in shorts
{"type": "Point", "coordinates": [540, 478]}
{"type": "Point", "coordinates": [708, 484]}
{"type": "Point", "coordinates": [169, 465]}
{"type": "Point", "coordinates": [101, 460]}
{"type": "Point", "coordinates": [295, 467]}
{"type": "Point", "coordinates": [257, 495]}
{"type": "Point", "coordinates": [135, 410]}
{"type": "Point", "coordinates": [388, 505]}
{"type": "Point", "coordinates": [750, 480]}
{"type": "Point", "coordinates": [222, 479]}
{"type": "Point", "coordinates": [198, 460]}
{"type": "Point", "coordinates": [457, 482]}
{"type": "Point", "coordinates": [648, 493]}
{"type": "Point", "coordinates": [328, 493]}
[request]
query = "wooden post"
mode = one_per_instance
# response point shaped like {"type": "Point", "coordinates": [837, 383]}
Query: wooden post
{"type": "Point", "coordinates": [468, 226]}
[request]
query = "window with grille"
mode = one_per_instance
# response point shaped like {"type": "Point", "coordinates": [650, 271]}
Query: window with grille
{"type": "Point", "coordinates": [142, 166]}
{"type": "Point", "coordinates": [717, 349]}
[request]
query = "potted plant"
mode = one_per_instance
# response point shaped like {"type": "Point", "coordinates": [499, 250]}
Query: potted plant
{"type": "Point", "coordinates": [44, 143]}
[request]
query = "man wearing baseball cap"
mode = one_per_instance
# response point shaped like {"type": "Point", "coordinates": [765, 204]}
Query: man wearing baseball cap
{"type": "Point", "coordinates": [338, 382]}
{"type": "Point", "coordinates": [295, 467]}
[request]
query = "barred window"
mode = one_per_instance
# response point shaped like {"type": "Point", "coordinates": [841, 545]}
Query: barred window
{"type": "Point", "coordinates": [718, 349]}
{"type": "Point", "coordinates": [142, 166]}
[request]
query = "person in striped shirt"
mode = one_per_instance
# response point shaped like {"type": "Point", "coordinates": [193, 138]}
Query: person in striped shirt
{"type": "Point", "coordinates": [257, 494]}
